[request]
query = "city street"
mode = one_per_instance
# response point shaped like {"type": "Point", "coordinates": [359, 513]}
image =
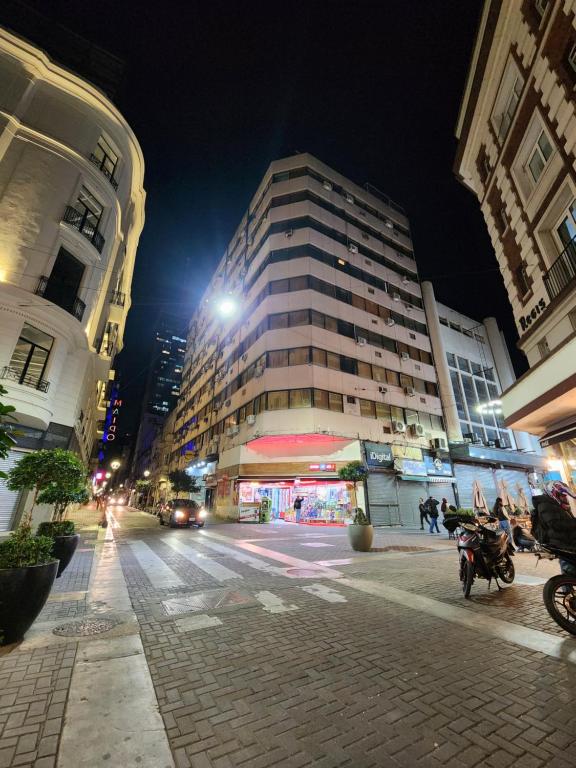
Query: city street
{"type": "Point", "coordinates": [276, 645]}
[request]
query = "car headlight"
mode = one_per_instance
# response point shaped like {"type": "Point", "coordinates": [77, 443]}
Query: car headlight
{"type": "Point", "coordinates": [178, 514]}
{"type": "Point", "coordinates": [202, 512]}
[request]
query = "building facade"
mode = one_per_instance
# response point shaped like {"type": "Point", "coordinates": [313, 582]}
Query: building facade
{"type": "Point", "coordinates": [474, 367]}
{"type": "Point", "coordinates": [71, 213]}
{"type": "Point", "coordinates": [310, 349]}
{"type": "Point", "coordinates": [162, 387]}
{"type": "Point", "coordinates": [517, 154]}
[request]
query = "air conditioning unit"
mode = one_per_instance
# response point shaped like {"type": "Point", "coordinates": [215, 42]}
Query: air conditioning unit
{"type": "Point", "coordinates": [289, 232]}
{"type": "Point", "coordinates": [390, 321]}
{"type": "Point", "coordinates": [327, 185]}
{"type": "Point", "coordinates": [398, 427]}
{"type": "Point", "coordinates": [396, 296]}
{"type": "Point", "coordinates": [348, 198]}
{"type": "Point", "coordinates": [251, 420]}
{"type": "Point", "coordinates": [490, 444]}
{"type": "Point", "coordinates": [361, 341]}
{"type": "Point", "coordinates": [258, 371]}
{"type": "Point", "coordinates": [404, 355]}
{"type": "Point", "coordinates": [245, 356]}
{"type": "Point", "coordinates": [389, 224]}
{"type": "Point", "coordinates": [382, 390]}
{"type": "Point", "coordinates": [439, 443]}
{"type": "Point", "coordinates": [352, 248]}
{"type": "Point", "coordinates": [231, 431]}
{"type": "Point", "coordinates": [410, 391]}
{"type": "Point", "coordinates": [417, 430]}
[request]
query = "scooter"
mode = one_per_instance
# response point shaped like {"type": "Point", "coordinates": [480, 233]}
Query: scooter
{"type": "Point", "coordinates": [559, 592]}
{"type": "Point", "coordinates": [485, 553]}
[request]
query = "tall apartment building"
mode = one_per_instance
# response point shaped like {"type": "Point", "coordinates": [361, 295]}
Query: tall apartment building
{"type": "Point", "coordinates": [474, 367]}
{"type": "Point", "coordinates": [517, 153]}
{"type": "Point", "coordinates": [71, 213]}
{"type": "Point", "coordinates": [327, 358]}
{"type": "Point", "coordinates": [162, 386]}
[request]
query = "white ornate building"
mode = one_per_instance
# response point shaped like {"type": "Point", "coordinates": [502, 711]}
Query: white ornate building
{"type": "Point", "coordinates": [71, 214]}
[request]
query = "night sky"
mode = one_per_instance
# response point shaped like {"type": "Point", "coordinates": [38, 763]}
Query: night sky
{"type": "Point", "coordinates": [215, 91]}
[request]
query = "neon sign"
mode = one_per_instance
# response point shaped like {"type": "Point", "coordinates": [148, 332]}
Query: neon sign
{"type": "Point", "coordinates": [111, 422]}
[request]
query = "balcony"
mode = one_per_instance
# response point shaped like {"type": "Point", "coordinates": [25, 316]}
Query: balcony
{"type": "Point", "coordinates": [118, 298]}
{"type": "Point", "coordinates": [80, 221]}
{"type": "Point", "coordinates": [13, 374]}
{"type": "Point", "coordinates": [98, 163]}
{"type": "Point", "coordinates": [76, 307]}
{"type": "Point", "coordinates": [562, 272]}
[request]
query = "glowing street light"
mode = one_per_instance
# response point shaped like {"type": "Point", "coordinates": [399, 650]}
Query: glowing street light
{"type": "Point", "coordinates": [146, 473]}
{"type": "Point", "coordinates": [108, 475]}
{"type": "Point", "coordinates": [227, 306]}
{"type": "Point", "coordinates": [114, 465]}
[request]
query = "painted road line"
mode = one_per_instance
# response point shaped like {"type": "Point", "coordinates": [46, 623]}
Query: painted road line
{"type": "Point", "coordinates": [316, 544]}
{"type": "Point", "coordinates": [287, 560]}
{"type": "Point", "coordinates": [559, 647]}
{"type": "Point", "coordinates": [154, 567]}
{"type": "Point", "coordinates": [212, 568]}
{"type": "Point", "coordinates": [253, 562]}
{"type": "Point", "coordinates": [324, 593]}
{"type": "Point", "coordinates": [343, 561]}
{"type": "Point", "coordinates": [193, 623]}
{"type": "Point", "coordinates": [273, 604]}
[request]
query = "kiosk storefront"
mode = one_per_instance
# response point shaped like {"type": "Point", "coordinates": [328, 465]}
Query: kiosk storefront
{"type": "Point", "coordinates": [325, 502]}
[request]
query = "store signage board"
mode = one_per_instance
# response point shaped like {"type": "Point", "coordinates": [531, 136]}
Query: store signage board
{"type": "Point", "coordinates": [438, 467]}
{"type": "Point", "coordinates": [322, 467]}
{"type": "Point", "coordinates": [379, 455]}
{"type": "Point", "coordinates": [413, 467]}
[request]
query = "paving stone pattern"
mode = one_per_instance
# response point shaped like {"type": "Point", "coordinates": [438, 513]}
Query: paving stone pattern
{"type": "Point", "coordinates": [358, 683]}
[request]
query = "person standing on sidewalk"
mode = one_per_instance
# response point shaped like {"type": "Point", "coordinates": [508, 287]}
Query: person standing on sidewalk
{"type": "Point", "coordinates": [499, 512]}
{"type": "Point", "coordinates": [423, 514]}
{"type": "Point", "coordinates": [432, 505]}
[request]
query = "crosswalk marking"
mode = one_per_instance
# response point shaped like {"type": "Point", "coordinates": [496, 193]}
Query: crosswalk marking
{"type": "Point", "coordinates": [274, 604]}
{"type": "Point", "coordinates": [253, 562]}
{"type": "Point", "coordinates": [216, 570]}
{"type": "Point", "coordinates": [324, 593]}
{"type": "Point", "coordinates": [155, 568]}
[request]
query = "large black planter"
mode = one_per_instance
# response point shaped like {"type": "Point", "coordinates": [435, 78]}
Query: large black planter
{"type": "Point", "coordinates": [63, 550]}
{"type": "Point", "coordinates": [23, 592]}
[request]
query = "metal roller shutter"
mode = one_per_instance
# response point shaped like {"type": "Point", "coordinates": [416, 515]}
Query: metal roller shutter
{"type": "Point", "coordinates": [8, 499]}
{"type": "Point", "coordinates": [465, 476]}
{"type": "Point", "coordinates": [383, 499]}
{"type": "Point", "coordinates": [515, 478]}
{"type": "Point", "coordinates": [442, 491]}
{"type": "Point", "coordinates": [409, 494]}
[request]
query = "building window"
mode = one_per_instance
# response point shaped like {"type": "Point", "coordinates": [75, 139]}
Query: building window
{"type": "Point", "coordinates": [543, 347]}
{"type": "Point", "coordinates": [300, 398]}
{"type": "Point", "coordinates": [277, 400]}
{"type": "Point", "coordinates": [571, 57]}
{"type": "Point", "coordinates": [105, 158]}
{"type": "Point", "coordinates": [522, 280]}
{"type": "Point", "coordinates": [539, 157]}
{"type": "Point", "coordinates": [511, 97]}
{"type": "Point", "coordinates": [30, 356]}
{"type": "Point", "coordinates": [503, 222]}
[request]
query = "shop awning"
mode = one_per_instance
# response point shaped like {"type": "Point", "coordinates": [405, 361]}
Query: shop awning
{"type": "Point", "coordinates": [418, 478]}
{"type": "Point", "coordinates": [558, 435]}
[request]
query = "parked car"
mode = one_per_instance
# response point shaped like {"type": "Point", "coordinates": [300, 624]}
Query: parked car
{"type": "Point", "coordinates": [182, 512]}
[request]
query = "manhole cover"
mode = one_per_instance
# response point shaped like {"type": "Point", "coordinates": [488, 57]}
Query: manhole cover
{"type": "Point", "coordinates": [304, 573]}
{"type": "Point", "coordinates": [84, 627]}
{"type": "Point", "coordinates": [206, 601]}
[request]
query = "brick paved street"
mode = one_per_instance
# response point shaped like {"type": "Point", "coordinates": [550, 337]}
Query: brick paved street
{"type": "Point", "coordinates": [278, 646]}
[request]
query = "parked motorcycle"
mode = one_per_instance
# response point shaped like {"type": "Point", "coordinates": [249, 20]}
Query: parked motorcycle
{"type": "Point", "coordinates": [485, 553]}
{"type": "Point", "coordinates": [560, 591]}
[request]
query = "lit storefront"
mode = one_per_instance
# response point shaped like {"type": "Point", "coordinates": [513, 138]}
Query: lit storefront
{"type": "Point", "coordinates": [325, 502]}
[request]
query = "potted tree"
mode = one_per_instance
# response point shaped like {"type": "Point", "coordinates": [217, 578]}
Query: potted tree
{"type": "Point", "coordinates": [27, 567]}
{"type": "Point", "coordinates": [57, 477]}
{"type": "Point", "coordinates": [360, 530]}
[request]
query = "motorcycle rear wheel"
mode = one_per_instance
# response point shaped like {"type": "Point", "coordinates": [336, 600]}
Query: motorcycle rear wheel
{"type": "Point", "coordinates": [505, 570]}
{"type": "Point", "coordinates": [560, 600]}
{"type": "Point", "coordinates": [466, 575]}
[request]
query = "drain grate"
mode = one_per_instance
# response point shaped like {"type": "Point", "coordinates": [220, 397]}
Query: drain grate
{"type": "Point", "coordinates": [207, 601]}
{"type": "Point", "coordinates": [84, 627]}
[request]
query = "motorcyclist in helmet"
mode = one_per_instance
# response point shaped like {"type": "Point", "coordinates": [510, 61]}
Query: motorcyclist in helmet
{"type": "Point", "coordinates": [555, 524]}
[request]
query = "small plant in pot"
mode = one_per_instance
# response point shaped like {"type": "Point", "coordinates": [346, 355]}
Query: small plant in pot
{"type": "Point", "coordinates": [360, 530]}
{"type": "Point", "coordinates": [57, 477]}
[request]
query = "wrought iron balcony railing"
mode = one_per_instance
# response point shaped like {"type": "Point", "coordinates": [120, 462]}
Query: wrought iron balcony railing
{"type": "Point", "coordinates": [76, 308]}
{"type": "Point", "coordinates": [80, 221]}
{"type": "Point", "coordinates": [118, 298]}
{"type": "Point", "coordinates": [104, 171]}
{"type": "Point", "coordinates": [562, 272]}
{"type": "Point", "coordinates": [13, 374]}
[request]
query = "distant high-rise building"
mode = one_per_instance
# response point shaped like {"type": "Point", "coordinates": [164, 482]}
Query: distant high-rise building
{"type": "Point", "coordinates": [162, 386]}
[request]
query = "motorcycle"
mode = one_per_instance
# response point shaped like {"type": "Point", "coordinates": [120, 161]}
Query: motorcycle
{"type": "Point", "coordinates": [485, 553]}
{"type": "Point", "coordinates": [560, 591]}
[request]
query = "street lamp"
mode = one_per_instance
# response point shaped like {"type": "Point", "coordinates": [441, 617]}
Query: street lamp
{"type": "Point", "coordinates": [114, 465]}
{"type": "Point", "coordinates": [108, 475]}
{"type": "Point", "coordinates": [146, 473]}
{"type": "Point", "coordinates": [227, 306]}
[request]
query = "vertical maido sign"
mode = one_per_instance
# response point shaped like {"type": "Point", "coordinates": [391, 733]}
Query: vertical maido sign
{"type": "Point", "coordinates": [111, 422]}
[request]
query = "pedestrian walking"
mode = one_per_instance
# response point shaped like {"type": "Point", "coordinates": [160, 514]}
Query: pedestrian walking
{"type": "Point", "coordinates": [499, 512]}
{"type": "Point", "coordinates": [432, 506]}
{"type": "Point", "coordinates": [444, 507]}
{"type": "Point", "coordinates": [423, 514]}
